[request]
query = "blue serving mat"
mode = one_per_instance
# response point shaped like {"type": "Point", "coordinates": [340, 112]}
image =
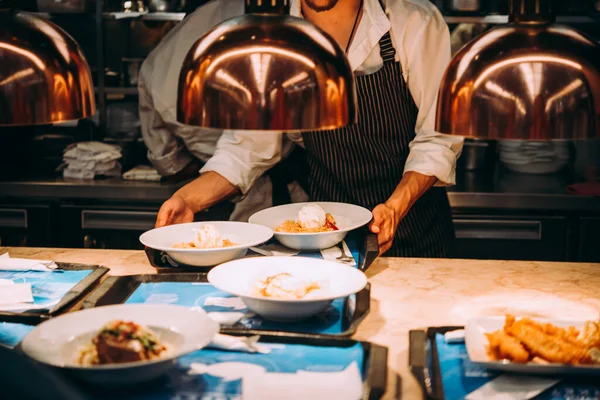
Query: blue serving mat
{"type": "Point", "coordinates": [461, 377]}
{"type": "Point", "coordinates": [194, 294]}
{"type": "Point", "coordinates": [283, 358]}
{"type": "Point", "coordinates": [47, 288]}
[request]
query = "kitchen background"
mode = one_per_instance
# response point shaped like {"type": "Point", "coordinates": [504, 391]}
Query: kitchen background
{"type": "Point", "coordinates": [512, 200]}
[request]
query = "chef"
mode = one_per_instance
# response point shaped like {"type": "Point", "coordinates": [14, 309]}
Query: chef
{"type": "Point", "coordinates": [392, 161]}
{"type": "Point", "coordinates": [178, 151]}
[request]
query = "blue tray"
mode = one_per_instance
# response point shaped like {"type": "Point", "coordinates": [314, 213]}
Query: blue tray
{"type": "Point", "coordinates": [58, 290]}
{"type": "Point", "coordinates": [341, 319]}
{"type": "Point", "coordinates": [362, 244]}
{"type": "Point", "coordinates": [446, 373]}
{"type": "Point", "coordinates": [288, 356]}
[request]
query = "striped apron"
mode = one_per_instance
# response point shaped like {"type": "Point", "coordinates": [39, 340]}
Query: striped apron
{"type": "Point", "coordinates": [363, 163]}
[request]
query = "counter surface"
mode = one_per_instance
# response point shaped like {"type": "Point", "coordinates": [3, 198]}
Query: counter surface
{"type": "Point", "coordinates": [499, 189]}
{"type": "Point", "coordinates": [417, 293]}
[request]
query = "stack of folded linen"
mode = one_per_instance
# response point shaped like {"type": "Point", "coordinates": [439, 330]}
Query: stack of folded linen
{"type": "Point", "coordinates": [142, 173]}
{"type": "Point", "coordinates": [86, 160]}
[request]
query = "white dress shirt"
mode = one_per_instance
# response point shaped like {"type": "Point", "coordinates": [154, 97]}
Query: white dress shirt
{"type": "Point", "coordinates": [422, 42]}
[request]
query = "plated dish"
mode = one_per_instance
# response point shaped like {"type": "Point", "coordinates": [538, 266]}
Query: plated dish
{"type": "Point", "coordinates": [204, 244]}
{"type": "Point", "coordinates": [121, 344]}
{"type": "Point", "coordinates": [312, 226]}
{"type": "Point", "coordinates": [311, 219]}
{"type": "Point", "coordinates": [207, 236]}
{"type": "Point", "coordinates": [287, 288]}
{"type": "Point", "coordinates": [534, 346]}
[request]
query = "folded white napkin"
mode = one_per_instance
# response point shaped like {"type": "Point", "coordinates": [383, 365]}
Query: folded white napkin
{"type": "Point", "coordinates": [257, 383]}
{"type": "Point", "coordinates": [302, 385]}
{"type": "Point", "coordinates": [512, 387]}
{"type": "Point", "coordinates": [333, 254]}
{"type": "Point", "coordinates": [142, 173]}
{"type": "Point", "coordinates": [92, 151]}
{"type": "Point", "coordinates": [15, 293]}
{"type": "Point", "coordinates": [22, 264]}
{"type": "Point", "coordinates": [246, 344]}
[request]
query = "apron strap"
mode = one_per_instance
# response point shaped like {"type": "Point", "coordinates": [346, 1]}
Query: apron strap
{"type": "Point", "coordinates": [386, 48]}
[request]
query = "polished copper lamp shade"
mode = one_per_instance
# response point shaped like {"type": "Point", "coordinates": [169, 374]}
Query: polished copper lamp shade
{"type": "Point", "coordinates": [44, 77]}
{"type": "Point", "coordinates": [528, 80]}
{"type": "Point", "coordinates": [266, 71]}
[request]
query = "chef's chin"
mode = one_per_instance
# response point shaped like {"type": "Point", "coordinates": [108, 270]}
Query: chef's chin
{"type": "Point", "coordinates": [321, 5]}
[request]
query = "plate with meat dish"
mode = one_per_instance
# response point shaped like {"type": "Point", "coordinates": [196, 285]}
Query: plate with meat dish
{"type": "Point", "coordinates": [534, 346]}
{"type": "Point", "coordinates": [203, 244]}
{"type": "Point", "coordinates": [312, 226]}
{"type": "Point", "coordinates": [121, 344]}
{"type": "Point", "coordinates": [287, 288]}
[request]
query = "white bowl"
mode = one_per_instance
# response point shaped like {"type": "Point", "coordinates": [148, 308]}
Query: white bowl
{"type": "Point", "coordinates": [245, 235]}
{"type": "Point", "coordinates": [347, 217]}
{"type": "Point", "coordinates": [58, 341]}
{"type": "Point", "coordinates": [239, 277]}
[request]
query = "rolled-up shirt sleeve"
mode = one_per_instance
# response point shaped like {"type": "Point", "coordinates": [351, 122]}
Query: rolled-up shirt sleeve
{"type": "Point", "coordinates": [242, 157]}
{"type": "Point", "coordinates": [166, 152]}
{"type": "Point", "coordinates": [428, 54]}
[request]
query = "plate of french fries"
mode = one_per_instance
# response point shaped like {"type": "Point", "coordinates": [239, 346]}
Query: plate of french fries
{"type": "Point", "coordinates": [534, 346]}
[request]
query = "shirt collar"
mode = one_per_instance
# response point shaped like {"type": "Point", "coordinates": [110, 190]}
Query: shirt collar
{"type": "Point", "coordinates": [373, 25]}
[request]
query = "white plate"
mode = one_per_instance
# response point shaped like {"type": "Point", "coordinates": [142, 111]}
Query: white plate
{"type": "Point", "coordinates": [245, 235]}
{"type": "Point", "coordinates": [57, 342]}
{"type": "Point", "coordinates": [340, 280]}
{"type": "Point", "coordinates": [347, 217]}
{"type": "Point", "coordinates": [476, 343]}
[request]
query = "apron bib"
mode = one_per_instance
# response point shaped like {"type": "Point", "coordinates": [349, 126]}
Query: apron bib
{"type": "Point", "coordinates": [363, 163]}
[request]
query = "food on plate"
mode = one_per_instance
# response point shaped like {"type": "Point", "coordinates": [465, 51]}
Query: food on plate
{"type": "Point", "coordinates": [285, 286]}
{"type": "Point", "coordinates": [311, 219]}
{"type": "Point", "coordinates": [207, 237]}
{"type": "Point", "coordinates": [122, 342]}
{"type": "Point", "coordinates": [525, 340]}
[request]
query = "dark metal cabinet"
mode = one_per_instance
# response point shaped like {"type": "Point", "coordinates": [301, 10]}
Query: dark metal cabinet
{"type": "Point", "coordinates": [589, 239]}
{"type": "Point", "coordinates": [512, 237]}
{"type": "Point", "coordinates": [106, 227]}
{"type": "Point", "coordinates": [26, 225]}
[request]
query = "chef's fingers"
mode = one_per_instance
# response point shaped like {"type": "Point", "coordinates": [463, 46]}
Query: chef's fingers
{"type": "Point", "coordinates": [378, 221]}
{"type": "Point", "coordinates": [164, 217]}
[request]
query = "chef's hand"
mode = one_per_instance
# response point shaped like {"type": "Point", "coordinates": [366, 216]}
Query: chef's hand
{"type": "Point", "coordinates": [387, 216]}
{"type": "Point", "coordinates": [174, 211]}
{"type": "Point", "coordinates": [384, 224]}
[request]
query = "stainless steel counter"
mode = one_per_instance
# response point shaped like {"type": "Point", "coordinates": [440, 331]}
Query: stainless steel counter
{"type": "Point", "coordinates": [498, 190]}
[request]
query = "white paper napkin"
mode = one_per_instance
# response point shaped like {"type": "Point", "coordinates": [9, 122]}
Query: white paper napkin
{"type": "Point", "coordinates": [334, 252]}
{"type": "Point", "coordinates": [15, 293]}
{"type": "Point", "coordinates": [246, 344]}
{"type": "Point", "coordinates": [512, 387]}
{"type": "Point", "coordinates": [343, 385]}
{"type": "Point", "coordinates": [22, 264]}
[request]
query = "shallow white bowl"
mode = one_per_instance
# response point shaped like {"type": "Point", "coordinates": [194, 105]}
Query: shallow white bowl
{"type": "Point", "coordinates": [245, 235]}
{"type": "Point", "coordinates": [57, 342]}
{"type": "Point", "coordinates": [347, 217]}
{"type": "Point", "coordinates": [239, 277]}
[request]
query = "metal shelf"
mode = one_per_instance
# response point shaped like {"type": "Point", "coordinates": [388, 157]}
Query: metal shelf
{"type": "Point", "coordinates": [503, 19]}
{"type": "Point", "coordinates": [154, 16]}
{"type": "Point", "coordinates": [132, 91]}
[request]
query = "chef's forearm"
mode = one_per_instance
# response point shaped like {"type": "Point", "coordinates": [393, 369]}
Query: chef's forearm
{"type": "Point", "coordinates": [205, 191]}
{"type": "Point", "coordinates": [411, 187]}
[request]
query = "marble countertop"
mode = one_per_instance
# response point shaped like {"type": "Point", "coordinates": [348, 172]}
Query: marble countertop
{"type": "Point", "coordinates": [417, 293]}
